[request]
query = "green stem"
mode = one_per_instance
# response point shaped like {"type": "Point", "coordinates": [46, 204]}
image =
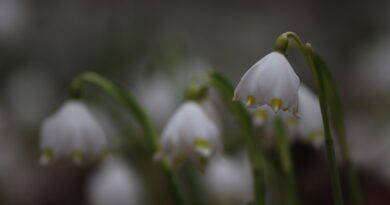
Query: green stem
{"type": "Point", "coordinates": [286, 161]}
{"type": "Point", "coordinates": [321, 88]}
{"type": "Point", "coordinates": [120, 93]}
{"type": "Point", "coordinates": [337, 116]}
{"type": "Point", "coordinates": [226, 91]}
{"type": "Point", "coordinates": [336, 186]}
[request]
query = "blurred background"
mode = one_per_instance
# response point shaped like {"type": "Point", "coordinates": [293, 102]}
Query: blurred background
{"type": "Point", "coordinates": [154, 49]}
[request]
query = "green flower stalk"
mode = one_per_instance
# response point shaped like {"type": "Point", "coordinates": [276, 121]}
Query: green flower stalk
{"type": "Point", "coordinates": [331, 113]}
{"type": "Point", "coordinates": [243, 118]}
{"type": "Point", "coordinates": [337, 116]}
{"type": "Point", "coordinates": [120, 93]}
{"type": "Point", "coordinates": [286, 161]}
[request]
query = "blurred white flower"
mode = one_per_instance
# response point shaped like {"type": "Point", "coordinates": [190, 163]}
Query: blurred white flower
{"type": "Point", "coordinates": [12, 18]}
{"type": "Point", "coordinates": [229, 180]}
{"type": "Point", "coordinates": [265, 116]}
{"type": "Point", "coordinates": [190, 134]}
{"type": "Point", "coordinates": [72, 130]}
{"type": "Point", "coordinates": [115, 183]}
{"type": "Point", "coordinates": [307, 124]}
{"type": "Point", "coordinates": [310, 119]}
{"type": "Point", "coordinates": [271, 81]}
{"type": "Point", "coordinates": [158, 97]}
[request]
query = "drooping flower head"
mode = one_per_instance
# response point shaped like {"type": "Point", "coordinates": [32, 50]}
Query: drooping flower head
{"type": "Point", "coordinates": [190, 134]}
{"type": "Point", "coordinates": [310, 124]}
{"type": "Point", "coordinates": [115, 183]}
{"type": "Point", "coordinates": [72, 131]}
{"type": "Point", "coordinates": [229, 180]}
{"type": "Point", "coordinates": [271, 81]}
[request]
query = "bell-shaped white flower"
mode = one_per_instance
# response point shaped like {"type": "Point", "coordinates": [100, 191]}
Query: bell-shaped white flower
{"type": "Point", "coordinates": [190, 134]}
{"type": "Point", "coordinates": [115, 183]}
{"type": "Point", "coordinates": [310, 119]}
{"type": "Point", "coordinates": [271, 81]}
{"type": "Point", "coordinates": [72, 131]}
{"type": "Point", "coordinates": [229, 180]}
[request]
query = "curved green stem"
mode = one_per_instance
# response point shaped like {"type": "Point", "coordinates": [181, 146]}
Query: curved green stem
{"type": "Point", "coordinates": [321, 88]}
{"type": "Point", "coordinates": [286, 161]}
{"type": "Point", "coordinates": [120, 93]}
{"type": "Point", "coordinates": [336, 185]}
{"type": "Point", "coordinates": [226, 91]}
{"type": "Point", "coordinates": [337, 116]}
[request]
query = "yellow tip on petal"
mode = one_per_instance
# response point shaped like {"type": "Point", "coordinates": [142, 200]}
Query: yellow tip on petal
{"type": "Point", "coordinates": [46, 156]}
{"type": "Point", "coordinates": [261, 114]}
{"type": "Point", "coordinates": [250, 100]}
{"type": "Point", "coordinates": [276, 104]}
{"type": "Point", "coordinates": [292, 121]}
{"type": "Point", "coordinates": [236, 96]}
{"type": "Point", "coordinates": [315, 138]}
{"type": "Point", "coordinates": [77, 157]}
{"type": "Point", "coordinates": [201, 143]}
{"type": "Point", "coordinates": [104, 154]}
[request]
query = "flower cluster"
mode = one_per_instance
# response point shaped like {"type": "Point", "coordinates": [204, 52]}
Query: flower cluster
{"type": "Point", "coordinates": [270, 89]}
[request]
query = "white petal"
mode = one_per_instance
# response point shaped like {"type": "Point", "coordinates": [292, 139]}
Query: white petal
{"type": "Point", "coordinates": [115, 183]}
{"type": "Point", "coordinates": [188, 124]}
{"type": "Point", "coordinates": [229, 180]}
{"type": "Point", "coordinates": [310, 120]}
{"type": "Point", "coordinates": [73, 128]}
{"type": "Point", "coordinates": [270, 78]}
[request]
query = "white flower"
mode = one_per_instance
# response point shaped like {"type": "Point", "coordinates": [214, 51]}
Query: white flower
{"type": "Point", "coordinates": [190, 134]}
{"type": "Point", "coordinates": [72, 131]}
{"type": "Point", "coordinates": [310, 121]}
{"type": "Point", "coordinates": [264, 117]}
{"type": "Point", "coordinates": [158, 96]}
{"type": "Point", "coordinates": [115, 183]}
{"type": "Point", "coordinates": [271, 81]}
{"type": "Point", "coordinates": [229, 180]}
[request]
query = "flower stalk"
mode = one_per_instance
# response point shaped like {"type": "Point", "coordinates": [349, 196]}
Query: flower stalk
{"type": "Point", "coordinates": [245, 122]}
{"type": "Point", "coordinates": [337, 116]}
{"type": "Point", "coordinates": [330, 105]}
{"type": "Point", "coordinates": [120, 93]}
{"type": "Point", "coordinates": [286, 161]}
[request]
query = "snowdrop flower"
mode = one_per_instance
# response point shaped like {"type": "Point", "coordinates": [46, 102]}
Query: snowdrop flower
{"type": "Point", "coordinates": [190, 134]}
{"type": "Point", "coordinates": [265, 116]}
{"type": "Point", "coordinates": [72, 131]}
{"type": "Point", "coordinates": [271, 81]}
{"type": "Point", "coordinates": [229, 180]}
{"type": "Point", "coordinates": [158, 97]}
{"type": "Point", "coordinates": [115, 183]}
{"type": "Point", "coordinates": [310, 121]}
